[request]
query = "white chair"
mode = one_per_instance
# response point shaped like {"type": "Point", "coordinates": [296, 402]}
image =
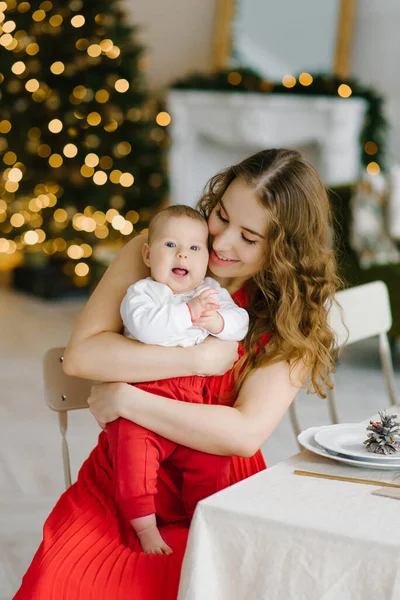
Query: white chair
{"type": "Point", "coordinates": [363, 312]}
{"type": "Point", "coordinates": [63, 393]}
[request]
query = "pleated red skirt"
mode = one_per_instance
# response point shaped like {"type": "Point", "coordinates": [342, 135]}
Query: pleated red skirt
{"type": "Point", "coordinates": [88, 553]}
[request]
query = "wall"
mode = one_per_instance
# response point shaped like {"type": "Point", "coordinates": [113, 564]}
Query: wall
{"type": "Point", "coordinates": [179, 36]}
{"type": "Point", "coordinates": [376, 56]}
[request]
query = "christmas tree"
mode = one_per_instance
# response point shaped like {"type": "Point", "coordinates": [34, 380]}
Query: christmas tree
{"type": "Point", "coordinates": [81, 146]}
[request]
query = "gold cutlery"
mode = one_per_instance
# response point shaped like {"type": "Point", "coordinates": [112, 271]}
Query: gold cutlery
{"type": "Point", "coordinates": [350, 479]}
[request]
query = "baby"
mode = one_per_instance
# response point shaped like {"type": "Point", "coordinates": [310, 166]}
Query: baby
{"type": "Point", "coordinates": [176, 306]}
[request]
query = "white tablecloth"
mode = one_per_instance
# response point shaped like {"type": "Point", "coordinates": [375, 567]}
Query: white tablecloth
{"type": "Point", "coordinates": [279, 536]}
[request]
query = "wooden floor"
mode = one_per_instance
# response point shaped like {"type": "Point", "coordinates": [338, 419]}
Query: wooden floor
{"type": "Point", "coordinates": [31, 477]}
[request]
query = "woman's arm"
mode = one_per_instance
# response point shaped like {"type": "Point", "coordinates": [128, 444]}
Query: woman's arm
{"type": "Point", "coordinates": [239, 430]}
{"type": "Point", "coordinates": [96, 349]}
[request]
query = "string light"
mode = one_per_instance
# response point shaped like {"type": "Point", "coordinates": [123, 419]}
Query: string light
{"type": "Point", "coordinates": [78, 21]}
{"type": "Point", "coordinates": [113, 53]}
{"type": "Point", "coordinates": [55, 126]}
{"type": "Point", "coordinates": [106, 162]}
{"type": "Point", "coordinates": [126, 179]}
{"type": "Point", "coordinates": [373, 168]}
{"type": "Point", "coordinates": [127, 228]}
{"type": "Point", "coordinates": [344, 90]}
{"type": "Point", "coordinates": [288, 81]}
{"type": "Point", "coordinates": [70, 150]}
{"type": "Point", "coordinates": [81, 269]}
{"type": "Point", "coordinates": [75, 252]}
{"type": "Point", "coordinates": [15, 175]}
{"type": "Point", "coordinates": [18, 68]}
{"type": "Point", "coordinates": [121, 85]}
{"type": "Point", "coordinates": [32, 85]}
{"type": "Point", "coordinates": [106, 45]}
{"type": "Point", "coordinates": [5, 126]}
{"type": "Point", "coordinates": [100, 178]}
{"type": "Point", "coordinates": [39, 15]}
{"type": "Point", "coordinates": [60, 215]}
{"type": "Point", "coordinates": [234, 78]}
{"type": "Point", "coordinates": [32, 49]}
{"type": "Point", "coordinates": [8, 26]}
{"type": "Point", "coordinates": [86, 171]}
{"type": "Point", "coordinates": [102, 96]}
{"type": "Point", "coordinates": [94, 118]}
{"type": "Point", "coordinates": [94, 50]}
{"type": "Point", "coordinates": [163, 119]}
{"type": "Point", "coordinates": [305, 79]}
{"type": "Point", "coordinates": [6, 39]}
{"type": "Point", "coordinates": [23, 7]}
{"type": "Point", "coordinates": [115, 175]}
{"type": "Point", "coordinates": [55, 161]}
{"type": "Point", "coordinates": [57, 67]}
{"type": "Point", "coordinates": [79, 92]}
{"type": "Point", "coordinates": [56, 20]}
{"type": "Point", "coordinates": [10, 157]}
{"type": "Point", "coordinates": [92, 160]}
{"type": "Point", "coordinates": [44, 150]}
{"type": "Point", "coordinates": [46, 6]}
{"type": "Point", "coordinates": [30, 238]}
{"type": "Point", "coordinates": [371, 148]}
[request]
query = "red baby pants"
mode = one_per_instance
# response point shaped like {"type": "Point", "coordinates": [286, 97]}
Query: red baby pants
{"type": "Point", "coordinates": [137, 453]}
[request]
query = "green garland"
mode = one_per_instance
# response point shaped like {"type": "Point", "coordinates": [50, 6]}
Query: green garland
{"type": "Point", "coordinates": [247, 80]}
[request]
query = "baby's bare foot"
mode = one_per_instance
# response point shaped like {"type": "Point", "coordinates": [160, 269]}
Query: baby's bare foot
{"type": "Point", "coordinates": [152, 542]}
{"type": "Point", "coordinates": [149, 535]}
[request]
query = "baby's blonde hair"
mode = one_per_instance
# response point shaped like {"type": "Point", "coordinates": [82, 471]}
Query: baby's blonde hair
{"type": "Point", "coordinates": [178, 210]}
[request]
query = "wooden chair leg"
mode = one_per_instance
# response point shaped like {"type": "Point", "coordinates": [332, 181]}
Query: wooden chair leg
{"type": "Point", "coordinates": [387, 365]}
{"type": "Point", "coordinates": [63, 423]}
{"type": "Point", "coordinates": [294, 421]}
{"type": "Point", "coordinates": [331, 397]}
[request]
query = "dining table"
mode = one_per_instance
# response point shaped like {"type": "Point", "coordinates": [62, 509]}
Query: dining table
{"type": "Point", "coordinates": [280, 535]}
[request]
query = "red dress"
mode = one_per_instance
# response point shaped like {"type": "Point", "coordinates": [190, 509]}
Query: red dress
{"type": "Point", "coordinates": [88, 553]}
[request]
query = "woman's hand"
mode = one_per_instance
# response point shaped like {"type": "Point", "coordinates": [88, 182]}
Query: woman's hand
{"type": "Point", "coordinates": [105, 401]}
{"type": "Point", "coordinates": [214, 356]}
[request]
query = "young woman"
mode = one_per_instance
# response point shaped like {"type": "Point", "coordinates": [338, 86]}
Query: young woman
{"type": "Point", "coordinates": [269, 224]}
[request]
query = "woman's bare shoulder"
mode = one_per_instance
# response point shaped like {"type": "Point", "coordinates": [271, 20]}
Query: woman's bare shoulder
{"type": "Point", "coordinates": [102, 312]}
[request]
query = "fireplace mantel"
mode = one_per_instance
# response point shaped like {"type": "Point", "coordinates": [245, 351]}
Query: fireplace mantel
{"type": "Point", "coordinates": [211, 130]}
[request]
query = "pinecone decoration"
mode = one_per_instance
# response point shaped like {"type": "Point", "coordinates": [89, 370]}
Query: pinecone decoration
{"type": "Point", "coordinates": [385, 435]}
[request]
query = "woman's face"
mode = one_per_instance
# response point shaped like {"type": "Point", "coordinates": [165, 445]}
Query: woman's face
{"type": "Point", "coordinates": [238, 229]}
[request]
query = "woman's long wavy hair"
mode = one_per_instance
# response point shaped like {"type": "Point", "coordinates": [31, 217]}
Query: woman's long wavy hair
{"type": "Point", "coordinates": [294, 290]}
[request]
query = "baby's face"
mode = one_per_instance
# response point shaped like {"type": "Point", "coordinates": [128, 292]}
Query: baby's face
{"type": "Point", "coordinates": [178, 253]}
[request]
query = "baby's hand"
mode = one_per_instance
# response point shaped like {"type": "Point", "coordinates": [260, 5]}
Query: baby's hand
{"type": "Point", "coordinates": [203, 303]}
{"type": "Point", "coordinates": [212, 321]}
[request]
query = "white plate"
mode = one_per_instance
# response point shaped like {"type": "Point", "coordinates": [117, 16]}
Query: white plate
{"type": "Point", "coordinates": [346, 440]}
{"type": "Point", "coordinates": [306, 439]}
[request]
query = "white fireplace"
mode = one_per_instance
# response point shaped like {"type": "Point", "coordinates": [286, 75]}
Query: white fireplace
{"type": "Point", "coordinates": [212, 130]}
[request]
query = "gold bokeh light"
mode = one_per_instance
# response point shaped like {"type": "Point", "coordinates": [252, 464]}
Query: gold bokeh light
{"type": "Point", "coordinates": [18, 68]}
{"type": "Point", "coordinates": [102, 96]}
{"type": "Point", "coordinates": [57, 67]}
{"type": "Point", "coordinates": [163, 119]}
{"type": "Point", "coordinates": [55, 161]}
{"type": "Point", "coordinates": [288, 81]}
{"type": "Point", "coordinates": [344, 90]}
{"type": "Point", "coordinates": [94, 50]}
{"type": "Point", "coordinates": [78, 21]}
{"type": "Point", "coordinates": [32, 85]}
{"type": "Point", "coordinates": [55, 126]}
{"type": "Point", "coordinates": [39, 15]}
{"type": "Point", "coordinates": [70, 150]}
{"type": "Point", "coordinates": [121, 85]}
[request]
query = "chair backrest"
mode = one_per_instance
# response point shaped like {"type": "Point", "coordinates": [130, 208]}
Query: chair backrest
{"type": "Point", "coordinates": [63, 393]}
{"type": "Point", "coordinates": [364, 310]}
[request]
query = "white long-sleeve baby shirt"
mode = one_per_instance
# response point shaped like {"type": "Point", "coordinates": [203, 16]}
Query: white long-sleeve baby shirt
{"type": "Point", "coordinates": [153, 314]}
